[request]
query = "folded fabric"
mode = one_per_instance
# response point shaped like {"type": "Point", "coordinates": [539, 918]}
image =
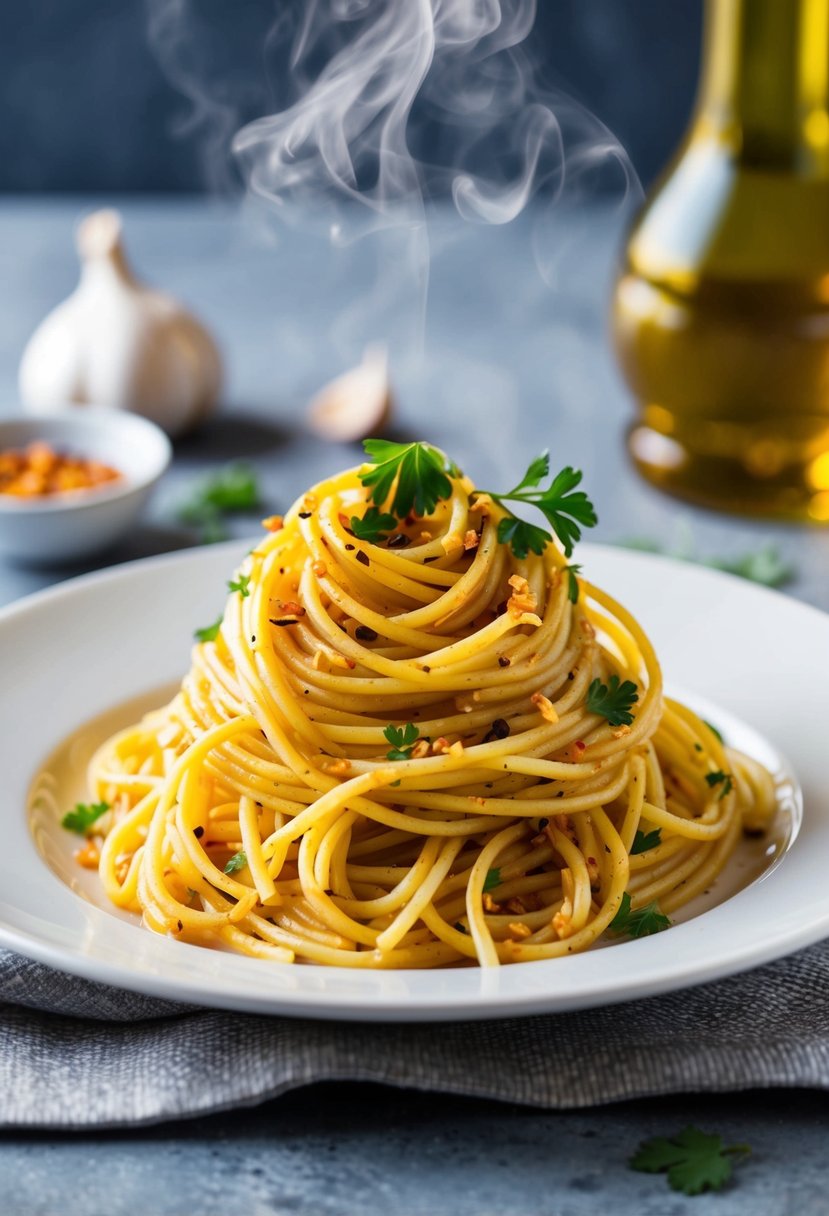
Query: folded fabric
{"type": "Point", "coordinates": [76, 1054]}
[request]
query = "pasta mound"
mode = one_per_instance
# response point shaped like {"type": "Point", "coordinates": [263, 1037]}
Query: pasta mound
{"type": "Point", "coordinates": [417, 751]}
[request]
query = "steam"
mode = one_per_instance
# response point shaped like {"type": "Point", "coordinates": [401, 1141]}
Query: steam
{"type": "Point", "coordinates": [393, 120]}
{"type": "Point", "coordinates": [380, 80]}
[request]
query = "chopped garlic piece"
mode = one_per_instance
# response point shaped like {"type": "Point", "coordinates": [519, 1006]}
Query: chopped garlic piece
{"type": "Point", "coordinates": [522, 599]}
{"type": "Point", "coordinates": [545, 707]}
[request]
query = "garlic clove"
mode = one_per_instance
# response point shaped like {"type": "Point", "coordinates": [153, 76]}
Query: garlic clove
{"type": "Point", "coordinates": [118, 343]}
{"type": "Point", "coordinates": [356, 404]}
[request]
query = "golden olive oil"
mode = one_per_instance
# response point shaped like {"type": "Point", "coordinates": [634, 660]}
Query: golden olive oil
{"type": "Point", "coordinates": [721, 312]}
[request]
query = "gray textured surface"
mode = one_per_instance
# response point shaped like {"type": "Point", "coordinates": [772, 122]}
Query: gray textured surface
{"type": "Point", "coordinates": [350, 1150]}
{"type": "Point", "coordinates": [510, 366]}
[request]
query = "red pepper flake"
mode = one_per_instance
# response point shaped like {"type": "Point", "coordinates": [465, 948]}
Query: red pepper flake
{"type": "Point", "coordinates": [351, 548]}
{"type": "Point", "coordinates": [399, 541]}
{"type": "Point", "coordinates": [305, 514]}
{"type": "Point", "coordinates": [365, 634]}
{"type": "Point", "coordinates": [363, 558]}
{"type": "Point", "coordinates": [503, 661]}
{"type": "Point", "coordinates": [293, 608]}
{"type": "Point", "coordinates": [283, 621]}
{"type": "Point", "coordinates": [198, 832]}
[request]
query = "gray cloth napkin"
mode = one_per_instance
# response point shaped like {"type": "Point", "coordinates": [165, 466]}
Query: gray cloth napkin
{"type": "Point", "coordinates": [76, 1054]}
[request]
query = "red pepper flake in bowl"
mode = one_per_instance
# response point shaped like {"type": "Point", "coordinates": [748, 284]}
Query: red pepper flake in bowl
{"type": "Point", "coordinates": [39, 471]}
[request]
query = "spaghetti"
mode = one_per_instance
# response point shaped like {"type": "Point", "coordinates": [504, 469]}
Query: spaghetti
{"type": "Point", "coordinates": [394, 754]}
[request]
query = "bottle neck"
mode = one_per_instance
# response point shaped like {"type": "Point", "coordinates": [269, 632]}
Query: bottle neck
{"type": "Point", "coordinates": [764, 90]}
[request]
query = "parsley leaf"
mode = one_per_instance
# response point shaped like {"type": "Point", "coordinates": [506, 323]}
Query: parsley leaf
{"type": "Point", "coordinates": [693, 1160]}
{"type": "Point", "coordinates": [612, 700]}
{"type": "Point", "coordinates": [714, 731]}
{"type": "Point", "coordinates": [374, 525]}
{"type": "Point", "coordinates": [492, 880]}
{"type": "Point", "coordinates": [763, 566]}
{"type": "Point", "coordinates": [232, 488]}
{"type": "Point", "coordinates": [572, 582]}
{"type": "Point", "coordinates": [210, 632]}
{"type": "Point", "coordinates": [564, 508]}
{"type": "Point", "coordinates": [416, 472]}
{"type": "Point", "coordinates": [523, 537]}
{"type": "Point", "coordinates": [537, 470]}
{"type": "Point", "coordinates": [241, 584]}
{"type": "Point", "coordinates": [720, 778]}
{"type": "Point", "coordinates": [643, 841]}
{"type": "Point", "coordinates": [237, 862]}
{"type": "Point", "coordinates": [402, 740]}
{"type": "Point", "coordinates": [640, 923]}
{"type": "Point", "coordinates": [81, 818]}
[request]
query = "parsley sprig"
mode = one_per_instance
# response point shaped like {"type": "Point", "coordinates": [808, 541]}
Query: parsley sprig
{"type": "Point", "coordinates": [693, 1160]}
{"type": "Point", "coordinates": [374, 526]}
{"type": "Point", "coordinates": [492, 880]}
{"type": "Point", "coordinates": [566, 509]}
{"type": "Point", "coordinates": [406, 477]}
{"type": "Point", "coordinates": [720, 778]}
{"type": "Point", "coordinates": [402, 740]}
{"type": "Point", "coordinates": [233, 488]}
{"type": "Point", "coordinates": [210, 632]}
{"type": "Point", "coordinates": [764, 565]}
{"type": "Point", "coordinates": [237, 862]}
{"type": "Point", "coordinates": [716, 733]}
{"type": "Point", "coordinates": [415, 476]}
{"type": "Point", "coordinates": [241, 584]}
{"type": "Point", "coordinates": [81, 818]}
{"type": "Point", "coordinates": [639, 923]}
{"type": "Point", "coordinates": [643, 842]}
{"type": "Point", "coordinates": [612, 700]}
{"type": "Point", "coordinates": [572, 571]}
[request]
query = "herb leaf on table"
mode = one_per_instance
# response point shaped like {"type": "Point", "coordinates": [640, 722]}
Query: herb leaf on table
{"type": "Point", "coordinates": [693, 1160]}
{"type": "Point", "coordinates": [231, 489]}
{"type": "Point", "coordinates": [764, 565]}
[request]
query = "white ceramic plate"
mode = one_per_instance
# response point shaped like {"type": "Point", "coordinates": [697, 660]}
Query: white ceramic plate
{"type": "Point", "coordinates": [752, 660]}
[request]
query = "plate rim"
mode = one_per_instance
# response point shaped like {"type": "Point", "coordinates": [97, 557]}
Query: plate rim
{"type": "Point", "coordinates": [440, 1005]}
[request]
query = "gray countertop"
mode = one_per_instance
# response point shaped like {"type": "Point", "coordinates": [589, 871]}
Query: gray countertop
{"type": "Point", "coordinates": [506, 364]}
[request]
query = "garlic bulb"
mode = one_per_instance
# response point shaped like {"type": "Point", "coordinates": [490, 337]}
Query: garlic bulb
{"type": "Point", "coordinates": [357, 404]}
{"type": "Point", "coordinates": [117, 343]}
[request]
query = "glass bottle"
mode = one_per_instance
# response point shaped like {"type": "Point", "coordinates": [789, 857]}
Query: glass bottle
{"type": "Point", "coordinates": [721, 312]}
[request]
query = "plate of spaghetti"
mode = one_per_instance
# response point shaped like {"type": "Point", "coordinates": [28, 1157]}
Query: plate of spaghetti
{"type": "Point", "coordinates": [422, 764]}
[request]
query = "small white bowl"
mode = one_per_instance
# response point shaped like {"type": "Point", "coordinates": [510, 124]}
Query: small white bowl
{"type": "Point", "coordinates": [63, 527]}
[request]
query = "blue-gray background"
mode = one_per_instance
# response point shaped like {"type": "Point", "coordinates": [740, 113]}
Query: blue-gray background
{"type": "Point", "coordinates": [87, 108]}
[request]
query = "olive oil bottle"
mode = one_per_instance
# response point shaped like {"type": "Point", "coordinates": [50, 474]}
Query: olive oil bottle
{"type": "Point", "coordinates": [721, 311]}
